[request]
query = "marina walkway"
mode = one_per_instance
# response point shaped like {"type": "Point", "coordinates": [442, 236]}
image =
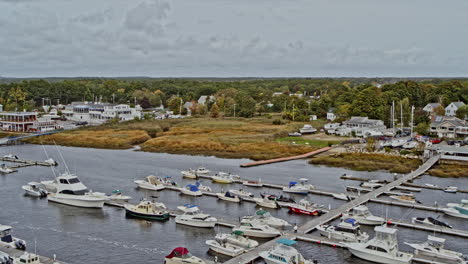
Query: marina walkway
{"type": "Point", "coordinates": [335, 213]}
{"type": "Point", "coordinates": [303, 156]}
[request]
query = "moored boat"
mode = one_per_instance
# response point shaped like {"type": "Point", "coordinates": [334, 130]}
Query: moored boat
{"type": "Point", "coordinates": [228, 196]}
{"type": "Point", "coordinates": [301, 187]}
{"type": "Point", "coordinates": [265, 218]}
{"type": "Point", "coordinates": [194, 217]}
{"type": "Point", "coordinates": [190, 174]}
{"type": "Point", "coordinates": [257, 230]}
{"type": "Point", "coordinates": [5, 169]}
{"type": "Point", "coordinates": [147, 210]}
{"type": "Point", "coordinates": [150, 183]}
{"type": "Point", "coordinates": [429, 221]}
{"type": "Point", "coordinates": [265, 202]}
{"type": "Point", "coordinates": [6, 238]}
{"type": "Point", "coordinates": [404, 198]}
{"type": "Point", "coordinates": [434, 249]}
{"type": "Point", "coordinates": [28, 258]}
{"type": "Point", "coordinates": [223, 177]}
{"type": "Point", "coordinates": [241, 193]}
{"type": "Point", "coordinates": [117, 198]}
{"type": "Point", "coordinates": [307, 208]}
{"type": "Point", "coordinates": [458, 210]}
{"type": "Point", "coordinates": [202, 171]}
{"type": "Point", "coordinates": [253, 183]}
{"type": "Point", "coordinates": [237, 238]}
{"type": "Point", "coordinates": [451, 189]}
{"type": "Point", "coordinates": [341, 196]}
{"type": "Point", "coordinates": [181, 255]}
{"type": "Point", "coordinates": [191, 190]}
{"type": "Point", "coordinates": [225, 248]}
{"type": "Point", "coordinates": [34, 189]}
{"type": "Point", "coordinates": [363, 216]}
{"type": "Point", "coordinates": [347, 230]}
{"type": "Point", "coordinates": [284, 253]}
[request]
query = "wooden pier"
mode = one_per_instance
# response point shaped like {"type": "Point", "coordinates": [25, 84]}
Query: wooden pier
{"type": "Point", "coordinates": [303, 156]}
{"type": "Point", "coordinates": [15, 253]}
{"type": "Point", "coordinates": [21, 163]}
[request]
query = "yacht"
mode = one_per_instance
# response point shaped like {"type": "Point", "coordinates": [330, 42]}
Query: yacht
{"type": "Point", "coordinates": [307, 208]}
{"type": "Point", "coordinates": [451, 189]}
{"type": "Point", "coordinates": [28, 258]}
{"type": "Point", "coordinates": [190, 174]}
{"type": "Point", "coordinates": [348, 230]}
{"type": "Point", "coordinates": [5, 169]}
{"type": "Point", "coordinates": [242, 193]}
{"type": "Point", "coordinates": [253, 183]}
{"type": "Point", "coordinates": [301, 187]}
{"type": "Point", "coordinates": [429, 221]}
{"type": "Point", "coordinates": [265, 218]}
{"type": "Point", "coordinates": [227, 196]}
{"type": "Point", "coordinates": [257, 230]}
{"type": "Point", "coordinates": [457, 210]}
{"type": "Point", "coordinates": [6, 239]}
{"type": "Point", "coordinates": [363, 216]}
{"type": "Point", "coordinates": [434, 248]}
{"type": "Point", "coordinates": [284, 253]}
{"type": "Point", "coordinates": [194, 217]}
{"type": "Point", "coordinates": [225, 248]}
{"type": "Point", "coordinates": [307, 129]}
{"type": "Point", "coordinates": [181, 255]}
{"type": "Point", "coordinates": [191, 190]}
{"type": "Point", "coordinates": [223, 177]}
{"type": "Point", "coordinates": [383, 248]}
{"type": "Point", "coordinates": [237, 238]}
{"type": "Point", "coordinates": [265, 202]}
{"type": "Point", "coordinates": [34, 189]}
{"type": "Point", "coordinates": [71, 191]}
{"type": "Point", "coordinates": [150, 183]}
{"type": "Point", "coordinates": [202, 171]}
{"type": "Point", "coordinates": [147, 210]}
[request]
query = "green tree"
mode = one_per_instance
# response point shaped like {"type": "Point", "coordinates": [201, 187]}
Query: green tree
{"type": "Point", "coordinates": [175, 104]}
{"type": "Point", "coordinates": [422, 128]}
{"type": "Point", "coordinates": [462, 112]}
{"type": "Point", "coordinates": [214, 111]}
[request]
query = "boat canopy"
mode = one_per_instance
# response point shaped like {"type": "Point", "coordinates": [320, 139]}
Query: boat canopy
{"type": "Point", "coordinates": [350, 221]}
{"type": "Point", "coordinates": [228, 194]}
{"type": "Point", "coordinates": [437, 240]}
{"type": "Point", "coordinates": [285, 241]}
{"type": "Point", "coordinates": [116, 191]}
{"type": "Point", "coordinates": [292, 183]}
{"type": "Point", "coordinates": [303, 179]}
{"type": "Point", "coordinates": [178, 252]}
{"type": "Point", "coordinates": [238, 233]}
{"type": "Point", "coordinates": [193, 188]}
{"type": "Point", "coordinates": [190, 205]}
{"type": "Point", "coordinates": [260, 212]}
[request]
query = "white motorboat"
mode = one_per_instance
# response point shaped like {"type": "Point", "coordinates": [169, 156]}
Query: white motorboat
{"type": "Point", "coordinates": [265, 202]}
{"type": "Point", "coordinates": [191, 190]}
{"type": "Point", "coordinates": [434, 248]}
{"type": "Point", "coordinates": [383, 248]}
{"type": "Point", "coordinates": [51, 162]}
{"type": "Point", "coordinates": [186, 207]}
{"type": "Point", "coordinates": [241, 193]}
{"type": "Point", "coordinates": [372, 185]}
{"type": "Point", "coordinates": [307, 129]}
{"type": "Point", "coordinates": [5, 169]}
{"type": "Point", "coordinates": [6, 239]}
{"type": "Point", "coordinates": [168, 181]}
{"type": "Point", "coordinates": [429, 221]}
{"type": "Point", "coordinates": [194, 217]}
{"type": "Point", "coordinates": [202, 171]}
{"type": "Point", "coordinates": [396, 143]}
{"type": "Point", "coordinates": [404, 198]}
{"type": "Point", "coordinates": [237, 238]}
{"type": "Point", "coordinates": [458, 210]}
{"type": "Point", "coordinates": [227, 196]}
{"type": "Point", "coordinates": [346, 176]}
{"type": "Point", "coordinates": [301, 187]}
{"type": "Point", "coordinates": [181, 255]}
{"type": "Point", "coordinates": [284, 253]}
{"type": "Point", "coordinates": [253, 183]}
{"type": "Point", "coordinates": [117, 198]}
{"type": "Point", "coordinates": [28, 258]}
{"type": "Point", "coordinates": [348, 230]}
{"type": "Point", "coordinates": [50, 185]}
{"type": "Point", "coordinates": [407, 188]}
{"type": "Point", "coordinates": [265, 218]}
{"type": "Point", "coordinates": [150, 183]}
{"type": "Point", "coordinates": [463, 203]}
{"type": "Point", "coordinates": [11, 156]}
{"type": "Point", "coordinates": [190, 174]}
{"type": "Point", "coordinates": [34, 189]}
{"type": "Point", "coordinates": [307, 208]}
{"type": "Point", "coordinates": [341, 196]}
{"type": "Point", "coordinates": [410, 145]}
{"type": "Point", "coordinates": [202, 187]}
{"type": "Point", "coordinates": [223, 177]}
{"type": "Point", "coordinates": [225, 248]}
{"type": "Point", "coordinates": [257, 230]}
{"type": "Point", "coordinates": [71, 191]}
{"type": "Point", "coordinates": [147, 210]}
{"type": "Point", "coordinates": [430, 185]}
{"type": "Point", "coordinates": [363, 216]}
{"type": "Point", "coordinates": [451, 189]}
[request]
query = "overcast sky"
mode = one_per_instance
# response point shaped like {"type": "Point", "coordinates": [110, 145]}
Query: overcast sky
{"type": "Point", "coordinates": [227, 38]}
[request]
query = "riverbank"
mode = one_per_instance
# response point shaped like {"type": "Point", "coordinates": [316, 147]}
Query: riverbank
{"type": "Point", "coordinates": [253, 138]}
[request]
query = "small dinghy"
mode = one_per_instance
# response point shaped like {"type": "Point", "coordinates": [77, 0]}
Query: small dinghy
{"type": "Point", "coordinates": [228, 196]}
{"type": "Point", "coordinates": [190, 174]}
{"type": "Point", "coordinates": [237, 238]}
{"type": "Point", "coordinates": [224, 247]}
{"type": "Point", "coordinates": [191, 190]}
{"type": "Point", "coordinates": [253, 183]}
{"type": "Point", "coordinates": [181, 255]}
{"type": "Point", "coordinates": [429, 221]}
{"type": "Point", "coordinates": [34, 189]}
{"type": "Point", "coordinates": [150, 183]}
{"type": "Point", "coordinates": [148, 210]}
{"type": "Point", "coordinates": [451, 189]}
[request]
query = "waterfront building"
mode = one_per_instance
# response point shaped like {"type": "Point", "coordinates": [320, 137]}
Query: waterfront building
{"type": "Point", "coordinates": [449, 127]}
{"type": "Point", "coordinates": [96, 113]}
{"type": "Point", "coordinates": [17, 121]}
{"type": "Point", "coordinates": [331, 114]}
{"type": "Point", "coordinates": [451, 109]}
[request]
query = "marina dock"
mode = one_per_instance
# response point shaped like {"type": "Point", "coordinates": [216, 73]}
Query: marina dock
{"type": "Point", "coordinates": [13, 252]}
{"type": "Point", "coordinates": [303, 156]}
{"type": "Point", "coordinates": [21, 163]}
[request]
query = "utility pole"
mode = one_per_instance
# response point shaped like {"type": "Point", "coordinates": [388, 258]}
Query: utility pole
{"type": "Point", "coordinates": [293, 112]}
{"type": "Point", "coordinates": [412, 119]}
{"type": "Point", "coordinates": [234, 110]}
{"type": "Point", "coordinates": [180, 107]}
{"type": "Point", "coordinates": [393, 117]}
{"type": "Point", "coordinates": [401, 116]}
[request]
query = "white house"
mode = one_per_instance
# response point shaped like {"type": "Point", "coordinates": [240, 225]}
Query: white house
{"type": "Point", "coordinates": [98, 113]}
{"type": "Point", "coordinates": [449, 127]}
{"type": "Point", "coordinates": [205, 99]}
{"type": "Point", "coordinates": [331, 114]}
{"type": "Point", "coordinates": [451, 109]}
{"type": "Point", "coordinates": [429, 108]}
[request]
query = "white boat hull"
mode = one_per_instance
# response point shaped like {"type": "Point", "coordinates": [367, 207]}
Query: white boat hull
{"type": "Point", "coordinates": [454, 212]}
{"type": "Point", "coordinates": [229, 199]}
{"type": "Point", "coordinates": [267, 204]}
{"type": "Point", "coordinates": [377, 258]}
{"type": "Point", "coordinates": [188, 192]}
{"type": "Point", "coordinates": [252, 184]}
{"type": "Point", "coordinates": [228, 249]}
{"type": "Point", "coordinates": [255, 233]}
{"type": "Point", "coordinates": [76, 200]}
{"type": "Point", "coordinates": [148, 186]}
{"type": "Point", "coordinates": [195, 223]}
{"type": "Point", "coordinates": [29, 191]}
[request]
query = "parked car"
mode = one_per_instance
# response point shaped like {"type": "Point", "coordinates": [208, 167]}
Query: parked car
{"type": "Point", "coordinates": [435, 140]}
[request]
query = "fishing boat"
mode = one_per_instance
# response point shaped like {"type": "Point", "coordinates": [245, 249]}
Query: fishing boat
{"type": "Point", "coordinates": [227, 196]}
{"type": "Point", "coordinates": [241, 193]}
{"type": "Point", "coordinates": [307, 208]}
{"type": "Point", "coordinates": [190, 174]}
{"type": "Point", "coordinates": [265, 218]}
{"type": "Point", "coordinates": [434, 249]}
{"type": "Point", "coordinates": [194, 217]}
{"type": "Point", "coordinates": [191, 190]}
{"type": "Point", "coordinates": [225, 248]}
{"type": "Point", "coordinates": [383, 248]}
{"type": "Point", "coordinates": [181, 255]}
{"type": "Point", "coordinates": [404, 198]}
{"type": "Point", "coordinates": [117, 198]}
{"type": "Point", "coordinates": [253, 183]}
{"type": "Point", "coordinates": [257, 230]}
{"type": "Point", "coordinates": [301, 187]}
{"type": "Point", "coordinates": [451, 189]}
{"type": "Point", "coordinates": [150, 183]}
{"type": "Point", "coordinates": [429, 221]}
{"type": "Point", "coordinates": [341, 196]}
{"type": "Point", "coordinates": [222, 177]}
{"type": "Point", "coordinates": [28, 258]}
{"type": "Point", "coordinates": [6, 239]}
{"type": "Point", "coordinates": [347, 230]}
{"type": "Point", "coordinates": [71, 191]}
{"type": "Point", "coordinates": [147, 210]}
{"type": "Point", "coordinates": [265, 202]}
{"type": "Point", "coordinates": [363, 216]}
{"type": "Point", "coordinates": [458, 210]}
{"type": "Point", "coordinates": [202, 171]}
{"type": "Point", "coordinates": [237, 238]}
{"type": "Point", "coordinates": [284, 253]}
{"type": "Point", "coordinates": [34, 189]}
{"type": "Point", "coordinates": [5, 169]}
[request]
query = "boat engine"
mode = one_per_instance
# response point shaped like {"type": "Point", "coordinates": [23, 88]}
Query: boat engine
{"type": "Point", "coordinates": [43, 193]}
{"type": "Point", "coordinates": [5, 259]}
{"type": "Point", "coordinates": [20, 244]}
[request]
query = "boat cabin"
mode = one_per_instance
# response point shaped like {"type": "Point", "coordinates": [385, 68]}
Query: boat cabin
{"type": "Point", "coordinates": [360, 210]}
{"type": "Point", "coordinates": [29, 258]}
{"type": "Point", "coordinates": [5, 234]}
{"type": "Point", "coordinates": [70, 184]}
{"type": "Point", "coordinates": [436, 242]}
{"type": "Point", "coordinates": [349, 225]}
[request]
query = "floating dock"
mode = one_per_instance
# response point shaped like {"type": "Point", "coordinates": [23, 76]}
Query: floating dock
{"type": "Point", "coordinates": [303, 156]}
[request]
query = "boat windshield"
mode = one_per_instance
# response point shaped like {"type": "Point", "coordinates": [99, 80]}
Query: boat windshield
{"type": "Point", "coordinates": [73, 180]}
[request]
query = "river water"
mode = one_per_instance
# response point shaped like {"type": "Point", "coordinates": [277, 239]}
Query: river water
{"type": "Point", "coordinates": [78, 235]}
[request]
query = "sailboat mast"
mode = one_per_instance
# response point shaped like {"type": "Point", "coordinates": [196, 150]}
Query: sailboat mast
{"type": "Point", "coordinates": [401, 116]}
{"type": "Point", "coordinates": [412, 119]}
{"type": "Point", "coordinates": [393, 117]}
